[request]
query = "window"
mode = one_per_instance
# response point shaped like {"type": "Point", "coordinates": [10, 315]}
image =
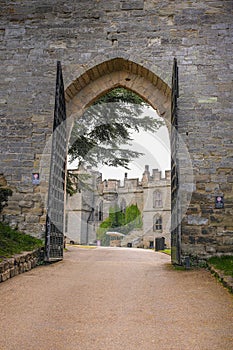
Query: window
{"type": "Point", "coordinates": [123, 206]}
{"type": "Point", "coordinates": [157, 199]}
{"type": "Point", "coordinates": [96, 213]}
{"type": "Point", "coordinates": [100, 211]}
{"type": "Point", "coordinates": [158, 223]}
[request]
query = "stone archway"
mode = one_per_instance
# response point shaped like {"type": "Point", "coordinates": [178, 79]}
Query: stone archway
{"type": "Point", "coordinates": [96, 81]}
{"type": "Point", "coordinates": [79, 95]}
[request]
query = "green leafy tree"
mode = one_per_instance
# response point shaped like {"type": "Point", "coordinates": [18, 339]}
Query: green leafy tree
{"type": "Point", "coordinates": [114, 221]}
{"type": "Point", "coordinates": [120, 222]}
{"type": "Point", "coordinates": [98, 136]}
{"type": "Point", "coordinates": [117, 217]}
{"type": "Point", "coordinates": [133, 218]}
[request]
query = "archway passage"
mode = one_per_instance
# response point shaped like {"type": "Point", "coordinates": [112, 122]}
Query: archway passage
{"type": "Point", "coordinates": [88, 87]}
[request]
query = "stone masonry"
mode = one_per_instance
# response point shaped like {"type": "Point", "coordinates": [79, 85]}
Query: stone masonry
{"type": "Point", "coordinates": [20, 263]}
{"type": "Point", "coordinates": [105, 44]}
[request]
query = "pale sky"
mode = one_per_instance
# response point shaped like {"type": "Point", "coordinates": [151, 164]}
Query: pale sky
{"type": "Point", "coordinates": [156, 151]}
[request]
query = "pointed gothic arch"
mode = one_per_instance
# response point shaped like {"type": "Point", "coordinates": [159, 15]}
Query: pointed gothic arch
{"type": "Point", "coordinates": [117, 72]}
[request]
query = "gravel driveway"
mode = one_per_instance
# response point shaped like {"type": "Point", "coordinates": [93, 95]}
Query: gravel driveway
{"type": "Point", "coordinates": [113, 298]}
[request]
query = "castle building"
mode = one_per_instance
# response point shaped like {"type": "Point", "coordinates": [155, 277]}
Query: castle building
{"type": "Point", "coordinates": [90, 206]}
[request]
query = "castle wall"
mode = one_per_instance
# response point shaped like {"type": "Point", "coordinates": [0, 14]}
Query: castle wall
{"type": "Point", "coordinates": [104, 44]}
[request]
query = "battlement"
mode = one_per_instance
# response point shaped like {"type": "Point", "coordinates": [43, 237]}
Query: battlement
{"type": "Point", "coordinates": [155, 176]}
{"type": "Point", "coordinates": [114, 185]}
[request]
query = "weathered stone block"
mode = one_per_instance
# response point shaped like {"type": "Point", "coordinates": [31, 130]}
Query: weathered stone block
{"type": "Point", "coordinates": [32, 219]}
{"type": "Point", "coordinates": [132, 5]}
{"type": "Point", "coordinates": [12, 272]}
{"type": "Point", "coordinates": [2, 267]}
{"type": "Point", "coordinates": [28, 266]}
{"type": "Point", "coordinates": [25, 204]}
{"type": "Point", "coordinates": [16, 270]}
{"type": "Point", "coordinates": [11, 262]}
{"type": "Point", "coordinates": [211, 249]}
{"type": "Point", "coordinates": [224, 249]}
{"type": "Point", "coordinates": [197, 220]}
{"type": "Point", "coordinates": [21, 268]}
{"type": "Point", "coordinates": [5, 275]}
{"type": "Point", "coordinates": [230, 178]}
{"type": "Point", "coordinates": [206, 240]}
{"type": "Point", "coordinates": [226, 187]}
{"type": "Point", "coordinates": [216, 219]}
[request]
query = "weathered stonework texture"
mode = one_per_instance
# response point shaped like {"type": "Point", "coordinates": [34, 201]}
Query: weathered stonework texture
{"type": "Point", "coordinates": [104, 44]}
{"type": "Point", "coordinates": [20, 263]}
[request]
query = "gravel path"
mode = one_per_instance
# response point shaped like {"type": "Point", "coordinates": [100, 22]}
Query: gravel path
{"type": "Point", "coordinates": [112, 298]}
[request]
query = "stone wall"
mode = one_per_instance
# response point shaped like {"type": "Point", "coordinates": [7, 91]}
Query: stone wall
{"type": "Point", "coordinates": [20, 263]}
{"type": "Point", "coordinates": [104, 44]}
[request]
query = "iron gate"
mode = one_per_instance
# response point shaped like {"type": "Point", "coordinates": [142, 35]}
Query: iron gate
{"type": "Point", "coordinates": [175, 210]}
{"type": "Point", "coordinates": [56, 195]}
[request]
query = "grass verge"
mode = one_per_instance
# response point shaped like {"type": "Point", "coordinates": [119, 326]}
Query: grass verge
{"type": "Point", "coordinates": [14, 242]}
{"type": "Point", "coordinates": [223, 263]}
{"type": "Point", "coordinates": [166, 251]}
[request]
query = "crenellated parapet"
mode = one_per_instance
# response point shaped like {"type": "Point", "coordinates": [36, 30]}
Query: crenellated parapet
{"type": "Point", "coordinates": [155, 177]}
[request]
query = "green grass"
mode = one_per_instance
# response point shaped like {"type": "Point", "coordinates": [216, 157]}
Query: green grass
{"type": "Point", "coordinates": [166, 251]}
{"type": "Point", "coordinates": [223, 263]}
{"type": "Point", "coordinates": [13, 242]}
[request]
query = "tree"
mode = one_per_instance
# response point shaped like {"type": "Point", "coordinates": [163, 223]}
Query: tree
{"type": "Point", "coordinates": [98, 136]}
{"type": "Point", "coordinates": [133, 218]}
{"type": "Point", "coordinates": [120, 222]}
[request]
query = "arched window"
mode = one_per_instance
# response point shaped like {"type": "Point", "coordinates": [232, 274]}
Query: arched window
{"type": "Point", "coordinates": [157, 199]}
{"type": "Point", "coordinates": [158, 223]}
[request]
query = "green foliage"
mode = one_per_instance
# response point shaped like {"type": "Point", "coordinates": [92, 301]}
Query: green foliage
{"type": "Point", "coordinates": [14, 242]}
{"type": "Point", "coordinates": [116, 217]}
{"type": "Point", "coordinates": [119, 221]}
{"type": "Point", "coordinates": [4, 194]}
{"type": "Point", "coordinates": [71, 186]}
{"type": "Point", "coordinates": [98, 136]}
{"type": "Point", "coordinates": [121, 95]}
{"type": "Point", "coordinates": [133, 218]}
{"type": "Point", "coordinates": [166, 251]}
{"type": "Point", "coordinates": [223, 263]}
{"type": "Point", "coordinates": [101, 235]}
{"type": "Point", "coordinates": [77, 182]}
